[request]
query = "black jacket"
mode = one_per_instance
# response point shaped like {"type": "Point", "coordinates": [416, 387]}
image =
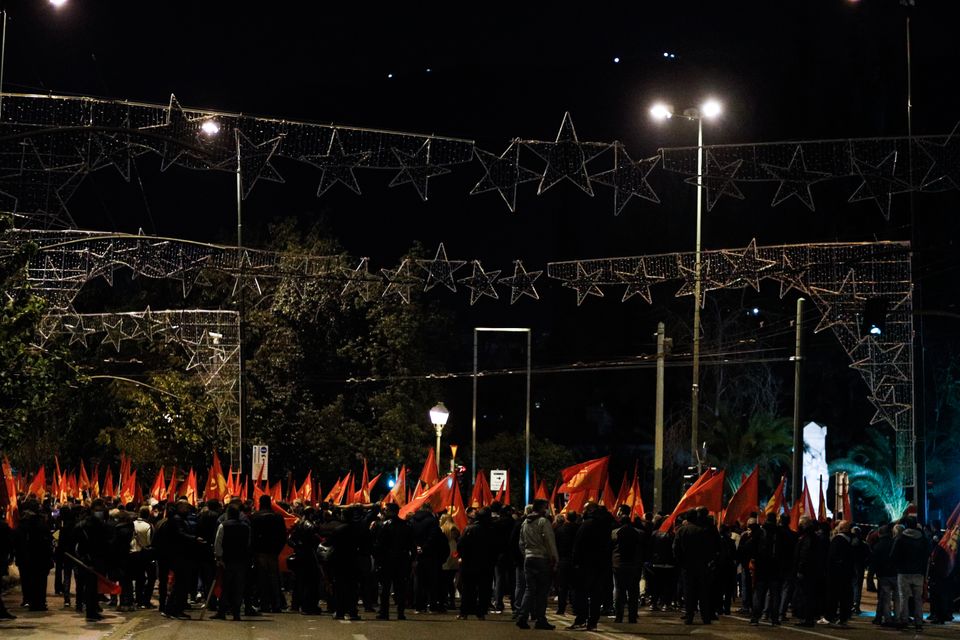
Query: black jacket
{"type": "Point", "coordinates": [33, 541]}
{"type": "Point", "coordinates": [880, 560]}
{"type": "Point", "coordinates": [592, 547]}
{"type": "Point", "coordinates": [268, 531]}
{"type": "Point", "coordinates": [806, 563]}
{"type": "Point", "coordinates": [696, 546]}
{"type": "Point", "coordinates": [394, 547]}
{"type": "Point", "coordinates": [565, 534]}
{"type": "Point", "coordinates": [627, 551]}
{"type": "Point", "coordinates": [476, 548]}
{"type": "Point", "coordinates": [910, 552]}
{"type": "Point", "coordinates": [840, 558]}
{"type": "Point", "coordinates": [236, 542]}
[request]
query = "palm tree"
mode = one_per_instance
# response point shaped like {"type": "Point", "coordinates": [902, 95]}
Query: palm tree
{"type": "Point", "coordinates": [870, 467]}
{"type": "Point", "coordinates": [738, 443]}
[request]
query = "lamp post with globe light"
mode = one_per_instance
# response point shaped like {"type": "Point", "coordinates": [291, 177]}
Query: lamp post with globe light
{"type": "Point", "coordinates": [439, 415]}
{"type": "Point", "coordinates": [710, 110]}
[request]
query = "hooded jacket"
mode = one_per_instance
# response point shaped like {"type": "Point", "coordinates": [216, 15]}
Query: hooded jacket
{"type": "Point", "coordinates": [537, 539]}
{"type": "Point", "coordinates": [910, 552]}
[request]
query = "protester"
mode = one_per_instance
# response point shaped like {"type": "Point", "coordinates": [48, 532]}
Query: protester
{"type": "Point", "coordinates": [910, 552]}
{"type": "Point", "coordinates": [539, 548]}
{"type": "Point", "coordinates": [232, 553]}
{"type": "Point", "coordinates": [394, 550]}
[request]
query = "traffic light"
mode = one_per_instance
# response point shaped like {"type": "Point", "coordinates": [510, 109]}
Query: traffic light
{"type": "Point", "coordinates": [874, 320]}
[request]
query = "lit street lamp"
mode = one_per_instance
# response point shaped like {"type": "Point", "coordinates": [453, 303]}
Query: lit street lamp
{"type": "Point", "coordinates": [710, 110]}
{"type": "Point", "coordinates": [439, 415]}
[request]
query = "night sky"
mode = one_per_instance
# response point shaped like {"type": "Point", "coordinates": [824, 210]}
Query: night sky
{"type": "Point", "coordinates": [783, 70]}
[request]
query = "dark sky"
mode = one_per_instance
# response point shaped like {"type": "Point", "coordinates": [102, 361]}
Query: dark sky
{"type": "Point", "coordinates": [784, 71]}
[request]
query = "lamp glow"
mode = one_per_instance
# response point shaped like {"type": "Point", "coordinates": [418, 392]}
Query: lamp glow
{"type": "Point", "coordinates": [660, 111]}
{"type": "Point", "coordinates": [710, 109]}
{"type": "Point", "coordinates": [439, 415]}
{"type": "Point", "coordinates": [210, 127]}
{"type": "Point", "coordinates": [58, 3]}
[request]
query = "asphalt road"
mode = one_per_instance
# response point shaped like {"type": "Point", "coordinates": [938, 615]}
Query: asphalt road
{"type": "Point", "coordinates": [149, 625]}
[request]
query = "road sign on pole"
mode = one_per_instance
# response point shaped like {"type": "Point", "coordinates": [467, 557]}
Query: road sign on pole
{"type": "Point", "coordinates": [498, 477]}
{"type": "Point", "coordinates": [261, 460]}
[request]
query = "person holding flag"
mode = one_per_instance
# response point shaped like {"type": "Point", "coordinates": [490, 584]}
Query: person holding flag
{"type": "Point", "coordinates": [94, 541]}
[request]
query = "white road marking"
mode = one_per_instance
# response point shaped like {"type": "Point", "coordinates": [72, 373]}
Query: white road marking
{"type": "Point", "coordinates": [790, 627]}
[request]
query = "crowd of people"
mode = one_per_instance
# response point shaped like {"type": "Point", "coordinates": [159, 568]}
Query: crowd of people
{"type": "Point", "coordinates": [245, 559]}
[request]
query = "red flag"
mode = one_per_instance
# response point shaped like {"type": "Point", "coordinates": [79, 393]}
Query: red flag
{"type": "Point", "coordinates": [10, 484]}
{"type": "Point", "coordinates": [108, 490]}
{"type": "Point", "coordinates": [292, 494]}
{"type": "Point", "coordinates": [334, 491]}
{"type": "Point", "coordinates": [216, 487]}
{"type": "Point", "coordinates": [623, 491]}
{"type": "Point", "coordinates": [371, 485]}
{"type": "Point", "coordinates": [306, 489]}
{"type": "Point", "coordinates": [553, 496]}
{"type": "Point", "coordinates": [951, 539]}
{"type": "Point", "coordinates": [588, 475]}
{"type": "Point", "coordinates": [364, 481]}
{"type": "Point", "coordinates": [576, 503]}
{"type": "Point", "coordinates": [189, 487]}
{"type": "Point", "coordinates": [778, 500]}
{"type": "Point", "coordinates": [847, 508]}
{"type": "Point", "coordinates": [635, 500]}
{"type": "Point", "coordinates": [954, 517]}
{"type": "Point", "coordinates": [276, 492]}
{"type": "Point", "coordinates": [57, 479]}
{"type": "Point", "coordinates": [503, 495]}
{"type": "Point", "coordinates": [399, 492]}
{"type": "Point", "coordinates": [429, 475]}
{"type": "Point", "coordinates": [822, 510]}
{"type": "Point", "coordinates": [608, 499]}
{"type": "Point", "coordinates": [456, 509]}
{"type": "Point", "coordinates": [38, 486]}
{"type": "Point", "coordinates": [704, 493]}
{"type": "Point", "coordinates": [439, 497]}
{"type": "Point", "coordinates": [481, 495]}
{"type": "Point", "coordinates": [346, 487]}
{"type": "Point", "coordinates": [95, 481]}
{"type": "Point", "coordinates": [745, 500]}
{"type": "Point", "coordinates": [157, 490]}
{"type": "Point", "coordinates": [84, 480]}
{"type": "Point", "coordinates": [172, 488]}
{"type": "Point", "coordinates": [128, 492]}
{"type": "Point", "coordinates": [808, 509]}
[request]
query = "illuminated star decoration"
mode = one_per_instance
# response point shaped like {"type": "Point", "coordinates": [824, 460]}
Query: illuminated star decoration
{"type": "Point", "coordinates": [440, 270]}
{"type": "Point", "coordinates": [416, 169]}
{"type": "Point", "coordinates": [628, 178]}
{"type": "Point", "coordinates": [521, 282]}
{"type": "Point", "coordinates": [879, 365]}
{"type": "Point", "coordinates": [719, 181]}
{"type": "Point", "coordinates": [689, 275]}
{"type": "Point", "coordinates": [255, 161]}
{"type": "Point", "coordinates": [41, 184]}
{"type": "Point", "coordinates": [243, 281]}
{"type": "Point", "coordinates": [946, 161]}
{"type": "Point", "coordinates": [104, 264]}
{"type": "Point", "coordinates": [795, 180]}
{"type": "Point", "coordinates": [112, 151]}
{"type": "Point", "coordinates": [887, 405]}
{"type": "Point", "coordinates": [146, 325]}
{"type": "Point", "coordinates": [638, 283]}
{"type": "Point", "coordinates": [360, 280]}
{"type": "Point", "coordinates": [747, 266]}
{"type": "Point", "coordinates": [78, 332]}
{"type": "Point", "coordinates": [585, 284]}
{"type": "Point", "coordinates": [879, 183]}
{"type": "Point", "coordinates": [187, 270]}
{"type": "Point", "coordinates": [115, 333]}
{"type": "Point", "coordinates": [791, 277]}
{"type": "Point", "coordinates": [836, 305]}
{"type": "Point", "coordinates": [400, 282]}
{"type": "Point", "coordinates": [566, 158]}
{"type": "Point", "coordinates": [480, 283]}
{"type": "Point", "coordinates": [337, 166]}
{"type": "Point", "coordinates": [503, 174]}
{"type": "Point", "coordinates": [182, 136]}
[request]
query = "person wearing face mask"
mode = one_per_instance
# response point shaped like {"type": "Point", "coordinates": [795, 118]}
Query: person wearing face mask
{"type": "Point", "coordinates": [94, 541]}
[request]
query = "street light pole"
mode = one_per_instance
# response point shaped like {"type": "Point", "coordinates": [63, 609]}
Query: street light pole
{"type": "Point", "coordinates": [697, 284]}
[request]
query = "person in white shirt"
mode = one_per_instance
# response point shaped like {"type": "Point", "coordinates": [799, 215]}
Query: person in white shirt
{"type": "Point", "coordinates": [141, 558]}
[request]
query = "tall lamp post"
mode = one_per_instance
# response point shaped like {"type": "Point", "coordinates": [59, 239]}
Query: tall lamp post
{"type": "Point", "coordinates": [439, 415]}
{"type": "Point", "coordinates": [709, 110]}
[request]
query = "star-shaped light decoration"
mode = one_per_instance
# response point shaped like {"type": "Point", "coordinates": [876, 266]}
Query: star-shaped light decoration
{"type": "Point", "coordinates": [360, 280]}
{"type": "Point", "coordinates": [628, 178]}
{"type": "Point", "coordinates": [502, 174]}
{"type": "Point", "coordinates": [104, 263]}
{"type": "Point", "coordinates": [146, 325]}
{"type": "Point", "coordinates": [880, 364]}
{"type": "Point", "coordinates": [719, 181]}
{"type": "Point", "coordinates": [790, 276]}
{"type": "Point", "coordinates": [945, 169]}
{"type": "Point", "coordinates": [880, 183]}
{"type": "Point", "coordinates": [440, 270]}
{"type": "Point", "coordinates": [566, 158]}
{"type": "Point", "coordinates": [112, 150]}
{"type": "Point", "coordinates": [585, 284]}
{"type": "Point", "coordinates": [337, 166]}
{"type": "Point", "coordinates": [115, 334]}
{"type": "Point", "coordinates": [415, 169]}
{"type": "Point", "coordinates": [188, 269]}
{"type": "Point", "coordinates": [689, 276]}
{"type": "Point", "coordinates": [837, 305]}
{"type": "Point", "coordinates": [888, 406]}
{"type": "Point", "coordinates": [138, 255]}
{"type": "Point", "coordinates": [245, 278]}
{"type": "Point", "coordinates": [255, 161]}
{"type": "Point", "coordinates": [521, 282]}
{"type": "Point", "coordinates": [75, 327]}
{"type": "Point", "coordinates": [183, 136]}
{"type": "Point", "coordinates": [638, 282]}
{"type": "Point", "coordinates": [401, 282]}
{"type": "Point", "coordinates": [42, 182]}
{"type": "Point", "coordinates": [795, 179]}
{"type": "Point", "coordinates": [747, 266]}
{"type": "Point", "coordinates": [481, 283]}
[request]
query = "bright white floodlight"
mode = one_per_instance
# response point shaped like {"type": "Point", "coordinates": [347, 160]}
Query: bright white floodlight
{"type": "Point", "coordinates": [660, 111]}
{"type": "Point", "coordinates": [710, 109]}
{"type": "Point", "coordinates": [210, 127]}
